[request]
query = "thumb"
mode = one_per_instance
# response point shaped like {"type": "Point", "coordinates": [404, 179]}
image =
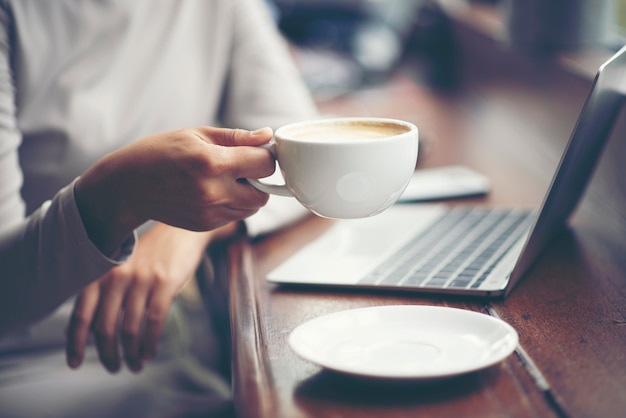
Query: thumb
{"type": "Point", "coordinates": [238, 137]}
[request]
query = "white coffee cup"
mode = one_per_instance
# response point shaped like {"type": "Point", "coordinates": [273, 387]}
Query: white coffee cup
{"type": "Point", "coordinates": [343, 168]}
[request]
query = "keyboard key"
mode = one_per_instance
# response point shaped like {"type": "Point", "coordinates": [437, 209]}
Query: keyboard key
{"type": "Point", "coordinates": [459, 250]}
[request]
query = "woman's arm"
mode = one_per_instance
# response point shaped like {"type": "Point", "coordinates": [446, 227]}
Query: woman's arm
{"type": "Point", "coordinates": [264, 88]}
{"type": "Point", "coordinates": [189, 179]}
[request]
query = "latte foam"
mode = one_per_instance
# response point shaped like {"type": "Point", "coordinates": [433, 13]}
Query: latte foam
{"type": "Point", "coordinates": [341, 132]}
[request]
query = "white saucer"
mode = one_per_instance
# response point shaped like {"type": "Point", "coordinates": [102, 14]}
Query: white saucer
{"type": "Point", "coordinates": [404, 342]}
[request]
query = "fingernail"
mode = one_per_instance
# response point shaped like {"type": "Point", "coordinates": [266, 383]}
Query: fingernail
{"type": "Point", "coordinates": [262, 132]}
{"type": "Point", "coordinates": [112, 367]}
{"type": "Point", "coordinates": [148, 355]}
{"type": "Point", "coordinates": [135, 366]}
{"type": "Point", "coordinates": [73, 362]}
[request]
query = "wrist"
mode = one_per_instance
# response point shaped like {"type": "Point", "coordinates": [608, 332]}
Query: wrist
{"type": "Point", "coordinates": [104, 209]}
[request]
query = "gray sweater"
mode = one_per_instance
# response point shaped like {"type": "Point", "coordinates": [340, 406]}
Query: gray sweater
{"type": "Point", "coordinates": [79, 78]}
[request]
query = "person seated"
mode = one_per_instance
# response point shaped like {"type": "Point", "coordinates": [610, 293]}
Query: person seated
{"type": "Point", "coordinates": [81, 82]}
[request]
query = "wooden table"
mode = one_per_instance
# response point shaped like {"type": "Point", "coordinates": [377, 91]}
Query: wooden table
{"type": "Point", "coordinates": [570, 311]}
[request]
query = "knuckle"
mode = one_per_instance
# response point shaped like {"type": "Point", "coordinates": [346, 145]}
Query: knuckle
{"type": "Point", "coordinates": [255, 204]}
{"type": "Point", "coordinates": [159, 276]}
{"type": "Point", "coordinates": [263, 199]}
{"type": "Point", "coordinates": [139, 280]}
{"type": "Point", "coordinates": [219, 165]}
{"type": "Point", "coordinates": [116, 278]}
{"type": "Point", "coordinates": [269, 169]}
{"type": "Point", "coordinates": [156, 314]}
{"type": "Point", "coordinates": [210, 164]}
{"type": "Point", "coordinates": [258, 198]}
{"type": "Point", "coordinates": [234, 135]}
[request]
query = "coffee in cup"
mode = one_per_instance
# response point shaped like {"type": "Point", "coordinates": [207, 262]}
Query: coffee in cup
{"type": "Point", "coordinates": [344, 168]}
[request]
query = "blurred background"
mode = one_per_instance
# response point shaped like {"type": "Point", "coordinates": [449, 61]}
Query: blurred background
{"type": "Point", "coordinates": [341, 45]}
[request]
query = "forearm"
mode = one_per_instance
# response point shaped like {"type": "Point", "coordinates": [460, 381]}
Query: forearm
{"type": "Point", "coordinates": [46, 259]}
{"type": "Point", "coordinates": [107, 215]}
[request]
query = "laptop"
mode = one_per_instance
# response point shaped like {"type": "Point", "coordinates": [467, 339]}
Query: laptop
{"type": "Point", "coordinates": [441, 248]}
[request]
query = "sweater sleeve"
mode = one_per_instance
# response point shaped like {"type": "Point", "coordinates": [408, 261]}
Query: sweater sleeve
{"type": "Point", "coordinates": [46, 257]}
{"type": "Point", "coordinates": [265, 88]}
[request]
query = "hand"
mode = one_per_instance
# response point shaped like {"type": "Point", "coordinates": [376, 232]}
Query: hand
{"type": "Point", "coordinates": [190, 178]}
{"type": "Point", "coordinates": [128, 306]}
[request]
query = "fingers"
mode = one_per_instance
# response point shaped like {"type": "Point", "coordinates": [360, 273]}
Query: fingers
{"type": "Point", "coordinates": [80, 325]}
{"type": "Point", "coordinates": [198, 172]}
{"type": "Point", "coordinates": [156, 314]}
{"type": "Point", "coordinates": [105, 325]}
{"type": "Point", "coordinates": [241, 150]}
{"type": "Point", "coordinates": [132, 325]}
{"type": "Point", "coordinates": [245, 198]}
{"type": "Point", "coordinates": [99, 308]}
{"type": "Point", "coordinates": [235, 137]}
{"type": "Point", "coordinates": [227, 185]}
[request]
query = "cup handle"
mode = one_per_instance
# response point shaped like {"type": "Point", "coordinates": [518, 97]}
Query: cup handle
{"type": "Point", "coordinates": [277, 189]}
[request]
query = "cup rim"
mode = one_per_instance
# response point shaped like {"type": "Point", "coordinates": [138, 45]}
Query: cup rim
{"type": "Point", "coordinates": [343, 120]}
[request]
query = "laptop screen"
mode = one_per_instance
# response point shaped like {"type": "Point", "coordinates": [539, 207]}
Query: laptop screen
{"type": "Point", "coordinates": [592, 129]}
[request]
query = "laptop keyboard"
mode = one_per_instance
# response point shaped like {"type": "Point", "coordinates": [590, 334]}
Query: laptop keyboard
{"type": "Point", "coordinates": [457, 251]}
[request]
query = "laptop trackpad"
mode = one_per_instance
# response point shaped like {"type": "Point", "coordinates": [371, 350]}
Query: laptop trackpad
{"type": "Point", "coordinates": [350, 248]}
